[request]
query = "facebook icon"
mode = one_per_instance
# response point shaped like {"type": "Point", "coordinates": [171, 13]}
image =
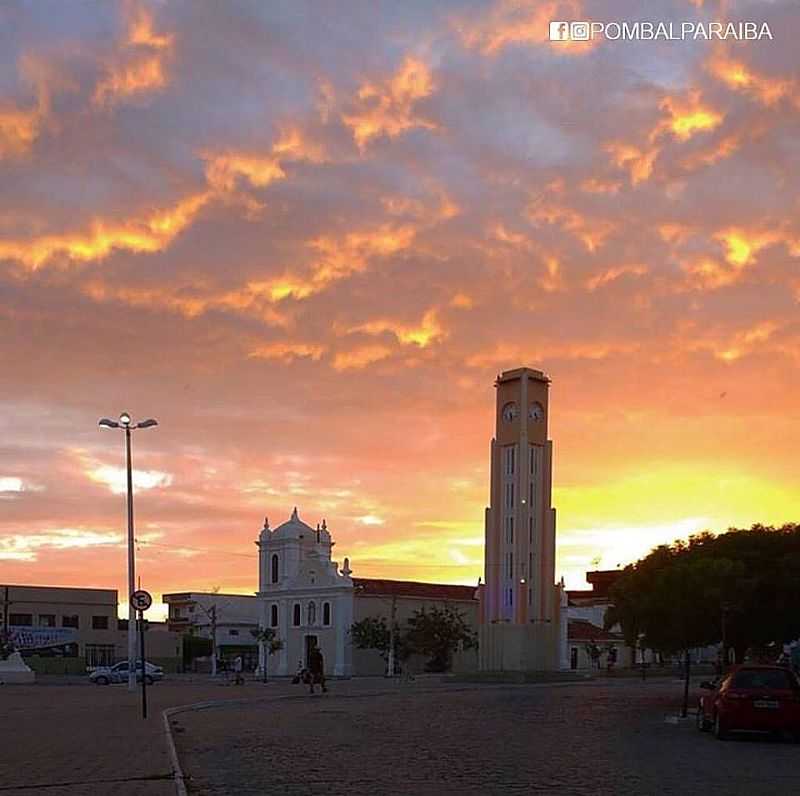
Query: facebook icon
{"type": "Point", "coordinates": [559, 31]}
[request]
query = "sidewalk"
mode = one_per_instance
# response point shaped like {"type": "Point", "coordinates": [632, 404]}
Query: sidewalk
{"type": "Point", "coordinates": [70, 738]}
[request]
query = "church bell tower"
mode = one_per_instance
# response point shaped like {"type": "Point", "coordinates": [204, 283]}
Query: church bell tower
{"type": "Point", "coordinates": [520, 522]}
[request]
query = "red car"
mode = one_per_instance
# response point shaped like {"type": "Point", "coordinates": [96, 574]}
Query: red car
{"type": "Point", "coordinates": [754, 698]}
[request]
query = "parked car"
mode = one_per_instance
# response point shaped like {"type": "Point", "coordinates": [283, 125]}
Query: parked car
{"type": "Point", "coordinates": [118, 673]}
{"type": "Point", "coordinates": [752, 698]}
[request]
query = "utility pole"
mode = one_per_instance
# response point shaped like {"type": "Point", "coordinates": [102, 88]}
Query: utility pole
{"type": "Point", "coordinates": [213, 615]}
{"type": "Point", "coordinates": [392, 623]}
{"type": "Point", "coordinates": [6, 604]}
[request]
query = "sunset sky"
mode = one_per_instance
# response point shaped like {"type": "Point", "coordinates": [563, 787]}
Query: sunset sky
{"type": "Point", "coordinates": [306, 236]}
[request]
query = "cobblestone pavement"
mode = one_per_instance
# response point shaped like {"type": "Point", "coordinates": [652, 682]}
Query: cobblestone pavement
{"type": "Point", "coordinates": [598, 738]}
{"type": "Point", "coordinates": [65, 737]}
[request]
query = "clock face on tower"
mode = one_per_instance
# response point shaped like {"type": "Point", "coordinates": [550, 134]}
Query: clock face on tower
{"type": "Point", "coordinates": [510, 411]}
{"type": "Point", "coordinates": [536, 412]}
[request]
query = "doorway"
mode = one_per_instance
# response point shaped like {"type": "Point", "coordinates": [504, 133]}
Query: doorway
{"type": "Point", "coordinates": [573, 658]}
{"type": "Point", "coordinates": [311, 642]}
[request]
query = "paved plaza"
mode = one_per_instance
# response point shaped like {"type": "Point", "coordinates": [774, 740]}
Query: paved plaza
{"type": "Point", "coordinates": [371, 736]}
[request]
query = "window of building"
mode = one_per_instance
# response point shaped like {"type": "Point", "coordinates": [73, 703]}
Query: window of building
{"type": "Point", "coordinates": [233, 632]}
{"type": "Point", "coordinates": [99, 655]}
{"type": "Point", "coordinates": [510, 457]}
{"type": "Point", "coordinates": [70, 621]}
{"type": "Point", "coordinates": [510, 496]}
{"type": "Point", "coordinates": [296, 616]}
{"type": "Point", "coordinates": [273, 616]}
{"type": "Point", "coordinates": [191, 609]}
{"type": "Point", "coordinates": [21, 620]}
{"type": "Point", "coordinates": [47, 620]}
{"type": "Point", "coordinates": [99, 623]}
{"type": "Point", "coordinates": [511, 596]}
{"type": "Point", "coordinates": [326, 614]}
{"type": "Point", "coordinates": [510, 530]}
{"type": "Point", "coordinates": [312, 613]}
{"type": "Point", "coordinates": [275, 568]}
{"type": "Point", "coordinates": [122, 624]}
{"type": "Point", "coordinates": [532, 494]}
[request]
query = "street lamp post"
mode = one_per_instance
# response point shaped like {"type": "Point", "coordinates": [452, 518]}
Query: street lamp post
{"type": "Point", "coordinates": [127, 424]}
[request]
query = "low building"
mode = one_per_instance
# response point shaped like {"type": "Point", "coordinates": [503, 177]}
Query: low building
{"type": "Point", "coordinates": [230, 619]}
{"type": "Point", "coordinates": [62, 629]}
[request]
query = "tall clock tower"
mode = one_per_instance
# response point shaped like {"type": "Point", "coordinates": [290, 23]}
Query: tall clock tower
{"type": "Point", "coordinates": [520, 522]}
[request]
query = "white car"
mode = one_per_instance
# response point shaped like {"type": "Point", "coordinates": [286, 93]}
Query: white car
{"type": "Point", "coordinates": [118, 673]}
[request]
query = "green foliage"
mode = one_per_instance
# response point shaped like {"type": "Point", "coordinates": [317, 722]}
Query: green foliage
{"type": "Point", "coordinates": [682, 595]}
{"type": "Point", "coordinates": [269, 637]}
{"type": "Point", "coordinates": [372, 633]}
{"type": "Point", "coordinates": [438, 633]}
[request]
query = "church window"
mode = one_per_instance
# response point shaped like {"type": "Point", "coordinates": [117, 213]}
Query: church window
{"type": "Point", "coordinates": [273, 616]}
{"type": "Point", "coordinates": [510, 530]}
{"type": "Point", "coordinates": [530, 529]}
{"type": "Point", "coordinates": [532, 495]}
{"type": "Point", "coordinates": [275, 568]}
{"type": "Point", "coordinates": [511, 596]}
{"type": "Point", "coordinates": [312, 613]}
{"type": "Point", "coordinates": [326, 614]}
{"type": "Point", "coordinates": [296, 617]}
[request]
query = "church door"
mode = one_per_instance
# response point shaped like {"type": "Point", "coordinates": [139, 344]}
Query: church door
{"type": "Point", "coordinates": [311, 642]}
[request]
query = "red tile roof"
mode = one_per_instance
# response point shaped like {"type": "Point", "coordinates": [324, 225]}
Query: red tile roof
{"type": "Point", "coordinates": [410, 588]}
{"type": "Point", "coordinates": [581, 630]}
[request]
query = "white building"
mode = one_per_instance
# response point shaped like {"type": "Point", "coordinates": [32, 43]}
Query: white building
{"type": "Point", "coordinates": [304, 597]}
{"type": "Point", "coordinates": [309, 601]}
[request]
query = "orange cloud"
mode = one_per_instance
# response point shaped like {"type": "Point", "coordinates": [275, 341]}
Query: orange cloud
{"type": "Point", "coordinates": [423, 334]}
{"type": "Point", "coordinates": [21, 127]}
{"type": "Point", "coordinates": [288, 351]}
{"type": "Point", "coordinates": [742, 245]}
{"type": "Point", "coordinates": [612, 274]}
{"type": "Point", "coordinates": [140, 66]}
{"type": "Point", "coordinates": [388, 108]}
{"type": "Point", "coordinates": [719, 151]}
{"type": "Point", "coordinates": [738, 76]}
{"type": "Point", "coordinates": [360, 357]}
{"type": "Point", "coordinates": [590, 231]}
{"type": "Point", "coordinates": [149, 234]}
{"type": "Point", "coordinates": [513, 22]}
{"type": "Point", "coordinates": [686, 117]}
{"type": "Point", "coordinates": [638, 162]}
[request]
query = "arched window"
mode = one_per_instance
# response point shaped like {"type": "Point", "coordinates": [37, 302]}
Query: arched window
{"type": "Point", "coordinates": [275, 568]}
{"type": "Point", "coordinates": [312, 613]}
{"type": "Point", "coordinates": [273, 616]}
{"type": "Point", "coordinates": [296, 617]}
{"type": "Point", "coordinates": [326, 614]}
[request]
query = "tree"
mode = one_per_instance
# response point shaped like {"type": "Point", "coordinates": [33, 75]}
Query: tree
{"type": "Point", "coordinates": [372, 633]}
{"type": "Point", "coordinates": [738, 587]}
{"type": "Point", "coordinates": [438, 633]}
{"type": "Point", "coordinates": [269, 642]}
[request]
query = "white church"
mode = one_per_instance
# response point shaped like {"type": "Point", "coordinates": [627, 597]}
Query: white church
{"type": "Point", "coordinates": [309, 601]}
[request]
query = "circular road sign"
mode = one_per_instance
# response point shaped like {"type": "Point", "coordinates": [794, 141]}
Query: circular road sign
{"type": "Point", "coordinates": [141, 600]}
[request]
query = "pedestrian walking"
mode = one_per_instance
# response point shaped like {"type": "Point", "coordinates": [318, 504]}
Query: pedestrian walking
{"type": "Point", "coordinates": [238, 668]}
{"type": "Point", "coordinates": [316, 665]}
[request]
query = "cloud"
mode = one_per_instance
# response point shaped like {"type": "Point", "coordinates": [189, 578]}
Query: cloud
{"type": "Point", "coordinates": [115, 478]}
{"type": "Point", "coordinates": [388, 108]}
{"type": "Point", "coordinates": [26, 547]}
{"type": "Point", "coordinates": [139, 65]}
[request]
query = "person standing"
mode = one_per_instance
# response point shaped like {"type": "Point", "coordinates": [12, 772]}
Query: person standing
{"type": "Point", "coordinates": [238, 667]}
{"type": "Point", "coordinates": [316, 665]}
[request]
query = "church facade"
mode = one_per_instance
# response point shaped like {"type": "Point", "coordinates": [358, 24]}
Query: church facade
{"type": "Point", "coordinates": [308, 601]}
